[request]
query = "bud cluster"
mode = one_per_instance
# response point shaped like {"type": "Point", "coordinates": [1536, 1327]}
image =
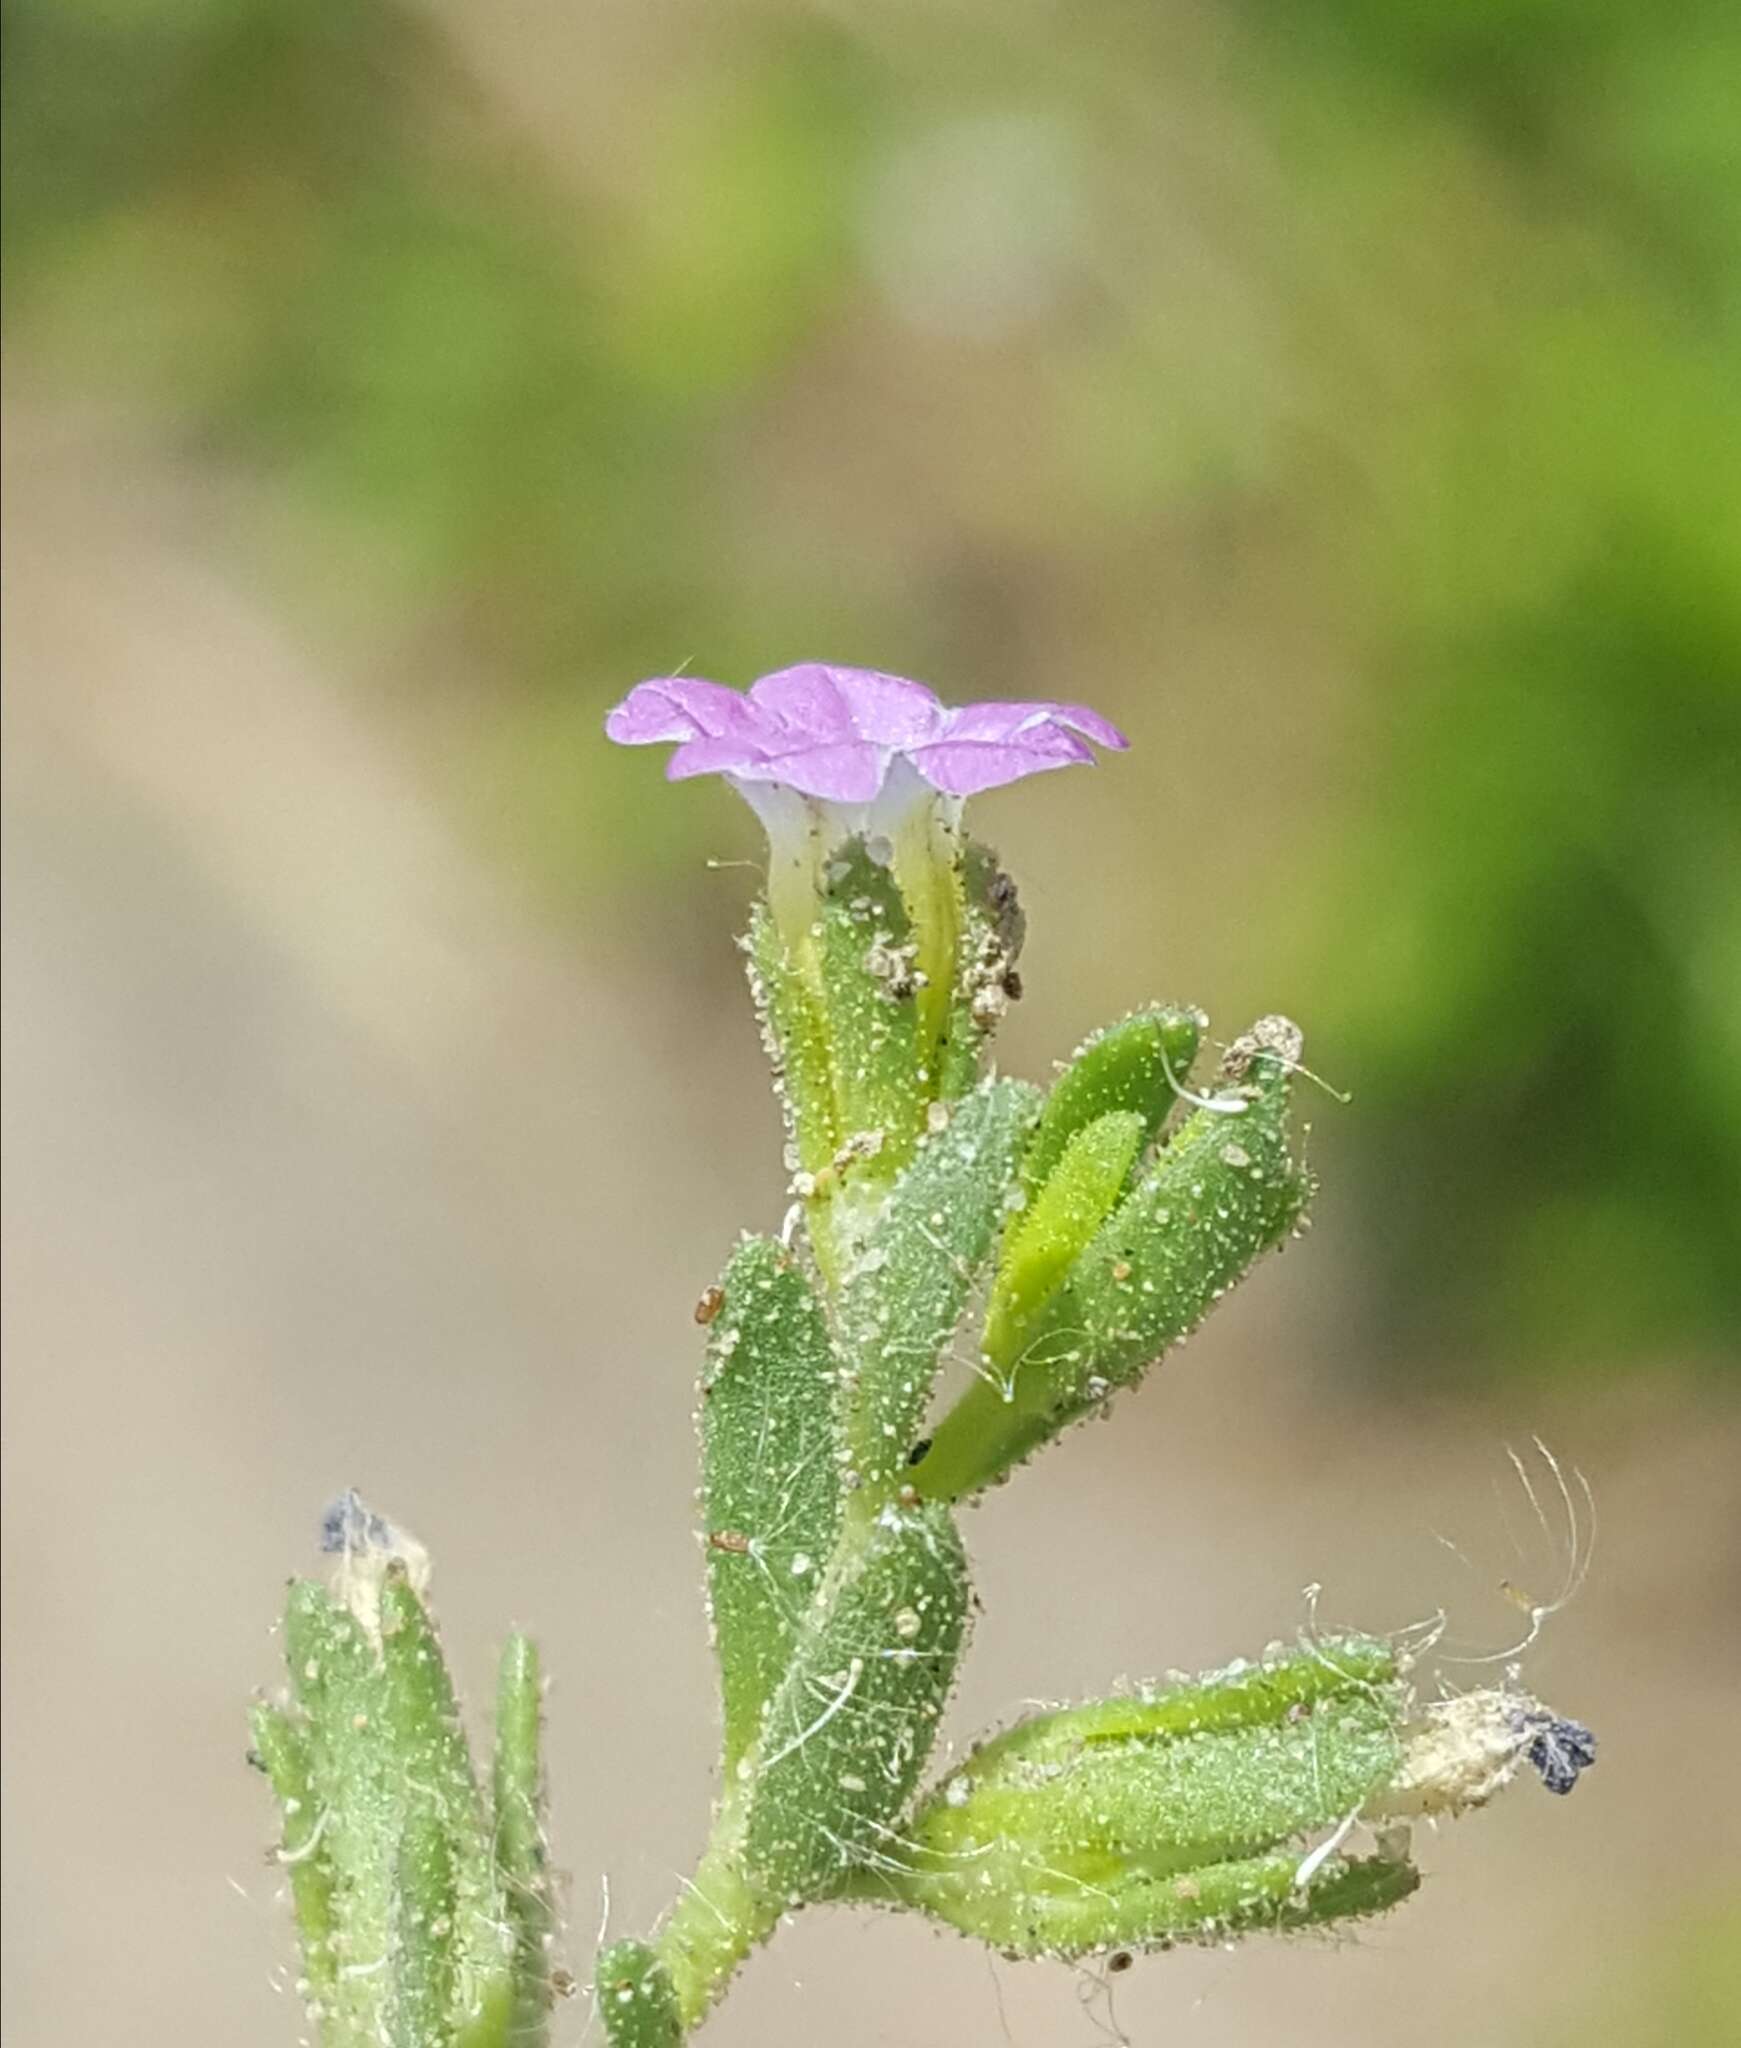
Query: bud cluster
{"type": "Point", "coordinates": [422, 1901]}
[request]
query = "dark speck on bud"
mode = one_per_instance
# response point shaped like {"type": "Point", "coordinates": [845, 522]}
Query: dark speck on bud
{"type": "Point", "coordinates": [1560, 1750]}
{"type": "Point", "coordinates": [1280, 1037]}
{"type": "Point", "coordinates": [349, 1524]}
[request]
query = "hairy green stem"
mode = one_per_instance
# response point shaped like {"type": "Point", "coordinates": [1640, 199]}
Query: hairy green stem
{"type": "Point", "coordinates": [718, 1920]}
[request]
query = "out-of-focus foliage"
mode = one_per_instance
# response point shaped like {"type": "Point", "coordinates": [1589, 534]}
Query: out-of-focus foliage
{"type": "Point", "coordinates": [1544, 901]}
{"type": "Point", "coordinates": [1680, 1987]}
{"type": "Point", "coordinates": [980, 341]}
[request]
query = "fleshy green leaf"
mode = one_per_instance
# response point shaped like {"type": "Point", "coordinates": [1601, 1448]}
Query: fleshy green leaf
{"type": "Point", "coordinates": [848, 1732]}
{"type": "Point", "coordinates": [909, 1277]}
{"type": "Point", "coordinates": [770, 1475]}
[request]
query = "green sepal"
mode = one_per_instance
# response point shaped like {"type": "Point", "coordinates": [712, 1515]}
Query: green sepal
{"type": "Point", "coordinates": [635, 1998]}
{"type": "Point", "coordinates": [796, 1040]}
{"type": "Point", "coordinates": [1135, 1066]}
{"type": "Point", "coordinates": [849, 1730]}
{"type": "Point", "coordinates": [339, 1685]}
{"type": "Point", "coordinates": [424, 1947]}
{"type": "Point", "coordinates": [1168, 1815]}
{"type": "Point", "coordinates": [1214, 1905]}
{"type": "Point", "coordinates": [432, 1765]}
{"type": "Point", "coordinates": [868, 969]}
{"type": "Point", "coordinates": [282, 1746]}
{"type": "Point", "coordinates": [1223, 1190]}
{"type": "Point", "coordinates": [992, 929]}
{"type": "Point", "coordinates": [769, 1472]}
{"type": "Point", "coordinates": [908, 1278]}
{"type": "Point", "coordinates": [851, 1018]}
{"type": "Point", "coordinates": [521, 1856]}
{"type": "Point", "coordinates": [1076, 1197]}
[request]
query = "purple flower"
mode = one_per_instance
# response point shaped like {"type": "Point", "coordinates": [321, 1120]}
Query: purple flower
{"type": "Point", "coordinates": [839, 735]}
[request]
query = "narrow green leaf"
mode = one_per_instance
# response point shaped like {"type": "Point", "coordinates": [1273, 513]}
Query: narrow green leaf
{"type": "Point", "coordinates": [910, 1275]}
{"type": "Point", "coordinates": [1044, 1243]}
{"type": "Point", "coordinates": [283, 1748]}
{"type": "Point", "coordinates": [1133, 1066]}
{"type": "Point", "coordinates": [635, 1998]}
{"type": "Point", "coordinates": [521, 1857]}
{"type": "Point", "coordinates": [849, 1730]}
{"type": "Point", "coordinates": [770, 1474]}
{"type": "Point", "coordinates": [1223, 1191]}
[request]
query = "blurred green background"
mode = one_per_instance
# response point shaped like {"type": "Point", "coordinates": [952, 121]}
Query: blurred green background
{"type": "Point", "coordinates": [1347, 398]}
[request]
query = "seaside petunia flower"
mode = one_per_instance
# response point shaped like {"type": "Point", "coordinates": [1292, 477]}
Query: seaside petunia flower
{"type": "Point", "coordinates": [841, 735]}
{"type": "Point", "coordinates": [879, 930]}
{"type": "Point", "coordinates": [823, 753]}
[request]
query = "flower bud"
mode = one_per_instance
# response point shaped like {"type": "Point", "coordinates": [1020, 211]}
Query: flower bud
{"type": "Point", "coordinates": [1174, 1815]}
{"type": "Point", "coordinates": [636, 2001]}
{"type": "Point", "coordinates": [1137, 1065]}
{"type": "Point", "coordinates": [422, 1905]}
{"type": "Point", "coordinates": [1058, 1343]}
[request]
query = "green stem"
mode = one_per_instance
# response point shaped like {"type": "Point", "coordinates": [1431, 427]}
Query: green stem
{"type": "Point", "coordinates": [718, 1920]}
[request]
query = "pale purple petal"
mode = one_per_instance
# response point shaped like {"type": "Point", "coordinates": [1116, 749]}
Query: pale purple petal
{"type": "Point", "coordinates": [677, 708]}
{"type": "Point", "coordinates": [804, 700]}
{"type": "Point", "coordinates": [1015, 721]}
{"type": "Point", "coordinates": [889, 710]}
{"type": "Point", "coordinates": [1091, 725]}
{"type": "Point", "coordinates": [960, 767]}
{"type": "Point", "coordinates": [716, 754]}
{"type": "Point", "coordinates": [834, 734]}
{"type": "Point", "coordinates": [825, 702]}
{"type": "Point", "coordinates": [836, 772]}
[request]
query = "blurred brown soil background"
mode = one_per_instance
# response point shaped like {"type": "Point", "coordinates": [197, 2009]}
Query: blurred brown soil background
{"type": "Point", "coordinates": [334, 1157]}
